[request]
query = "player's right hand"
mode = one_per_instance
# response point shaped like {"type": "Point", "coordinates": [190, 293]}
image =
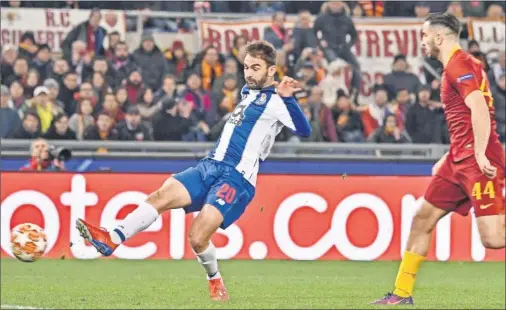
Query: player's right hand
{"type": "Point", "coordinates": [485, 166]}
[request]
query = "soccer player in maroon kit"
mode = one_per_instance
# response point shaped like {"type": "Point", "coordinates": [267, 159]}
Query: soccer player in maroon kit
{"type": "Point", "coordinates": [471, 174]}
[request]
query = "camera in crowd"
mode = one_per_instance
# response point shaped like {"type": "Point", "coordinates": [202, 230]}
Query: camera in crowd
{"type": "Point", "coordinates": [59, 153]}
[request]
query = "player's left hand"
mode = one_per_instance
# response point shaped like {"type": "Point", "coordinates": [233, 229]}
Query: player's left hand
{"type": "Point", "coordinates": [287, 87]}
{"type": "Point", "coordinates": [485, 166]}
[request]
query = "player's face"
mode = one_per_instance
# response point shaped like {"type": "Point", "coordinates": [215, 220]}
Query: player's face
{"type": "Point", "coordinates": [428, 41]}
{"type": "Point", "coordinates": [256, 72]}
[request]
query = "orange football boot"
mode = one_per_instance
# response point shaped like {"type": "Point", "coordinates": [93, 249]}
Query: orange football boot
{"type": "Point", "coordinates": [98, 237]}
{"type": "Point", "coordinates": [217, 290]}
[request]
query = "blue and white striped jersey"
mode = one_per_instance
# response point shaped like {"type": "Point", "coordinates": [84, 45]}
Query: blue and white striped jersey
{"type": "Point", "coordinates": [249, 133]}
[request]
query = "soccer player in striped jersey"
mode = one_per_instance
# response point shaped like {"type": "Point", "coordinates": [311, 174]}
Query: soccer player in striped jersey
{"type": "Point", "coordinates": [222, 184]}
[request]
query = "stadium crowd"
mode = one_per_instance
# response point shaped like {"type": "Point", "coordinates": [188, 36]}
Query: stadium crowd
{"type": "Point", "coordinates": [93, 93]}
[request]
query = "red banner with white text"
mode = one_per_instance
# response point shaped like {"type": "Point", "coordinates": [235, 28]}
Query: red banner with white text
{"type": "Point", "coordinates": [377, 44]}
{"type": "Point", "coordinates": [291, 217]}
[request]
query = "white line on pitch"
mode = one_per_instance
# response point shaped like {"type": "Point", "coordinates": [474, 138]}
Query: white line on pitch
{"type": "Point", "coordinates": [18, 307]}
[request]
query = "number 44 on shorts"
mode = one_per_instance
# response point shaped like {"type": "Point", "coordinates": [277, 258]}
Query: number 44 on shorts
{"type": "Point", "coordinates": [487, 190]}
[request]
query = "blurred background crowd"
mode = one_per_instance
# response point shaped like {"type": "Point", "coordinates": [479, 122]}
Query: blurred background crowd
{"type": "Point", "coordinates": [93, 92]}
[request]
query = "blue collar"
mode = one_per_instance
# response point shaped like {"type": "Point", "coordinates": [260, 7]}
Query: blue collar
{"type": "Point", "coordinates": [270, 89]}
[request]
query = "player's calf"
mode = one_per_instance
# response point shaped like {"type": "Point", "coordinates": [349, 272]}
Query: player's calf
{"type": "Point", "coordinates": [204, 226]}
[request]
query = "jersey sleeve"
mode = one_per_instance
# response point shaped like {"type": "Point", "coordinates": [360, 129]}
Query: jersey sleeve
{"type": "Point", "coordinates": [289, 113]}
{"type": "Point", "coordinates": [465, 76]}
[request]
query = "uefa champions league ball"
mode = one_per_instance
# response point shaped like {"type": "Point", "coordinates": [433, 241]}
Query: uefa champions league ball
{"type": "Point", "coordinates": [28, 242]}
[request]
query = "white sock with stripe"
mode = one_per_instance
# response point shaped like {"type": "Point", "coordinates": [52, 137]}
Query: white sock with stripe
{"type": "Point", "coordinates": [140, 219]}
{"type": "Point", "coordinates": [208, 260]}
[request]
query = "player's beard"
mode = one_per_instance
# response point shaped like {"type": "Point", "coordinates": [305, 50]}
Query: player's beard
{"type": "Point", "coordinates": [257, 84]}
{"type": "Point", "coordinates": [434, 51]}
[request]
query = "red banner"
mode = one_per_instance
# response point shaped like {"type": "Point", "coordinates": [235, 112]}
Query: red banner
{"type": "Point", "coordinates": [291, 217]}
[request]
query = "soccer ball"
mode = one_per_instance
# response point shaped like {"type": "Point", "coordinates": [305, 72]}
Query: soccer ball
{"type": "Point", "coordinates": [28, 242]}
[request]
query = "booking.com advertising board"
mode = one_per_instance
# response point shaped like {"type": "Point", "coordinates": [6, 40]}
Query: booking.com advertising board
{"type": "Point", "coordinates": [293, 216]}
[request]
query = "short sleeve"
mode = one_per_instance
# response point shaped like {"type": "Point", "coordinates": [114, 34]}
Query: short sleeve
{"type": "Point", "coordinates": [465, 76]}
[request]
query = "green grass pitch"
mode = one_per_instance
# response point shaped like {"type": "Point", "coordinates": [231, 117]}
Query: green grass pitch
{"type": "Point", "coordinates": [123, 284]}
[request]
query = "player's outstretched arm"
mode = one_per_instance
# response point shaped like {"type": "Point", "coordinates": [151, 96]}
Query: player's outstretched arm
{"type": "Point", "coordinates": [480, 118]}
{"type": "Point", "coordinates": [290, 113]}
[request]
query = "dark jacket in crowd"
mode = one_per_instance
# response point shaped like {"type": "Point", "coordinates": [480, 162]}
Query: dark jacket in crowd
{"type": "Point", "coordinates": [21, 133]}
{"type": "Point", "coordinates": [153, 65]}
{"type": "Point", "coordinates": [303, 38]}
{"type": "Point", "coordinates": [120, 70]}
{"type": "Point", "coordinates": [335, 27]}
{"type": "Point", "coordinates": [500, 110]}
{"type": "Point", "coordinates": [51, 134]}
{"type": "Point", "coordinates": [79, 33]}
{"type": "Point", "coordinates": [9, 122]}
{"type": "Point", "coordinates": [125, 133]}
{"type": "Point", "coordinates": [170, 128]}
{"type": "Point", "coordinates": [396, 80]}
{"type": "Point", "coordinates": [92, 133]}
{"type": "Point", "coordinates": [421, 123]}
{"type": "Point", "coordinates": [353, 131]}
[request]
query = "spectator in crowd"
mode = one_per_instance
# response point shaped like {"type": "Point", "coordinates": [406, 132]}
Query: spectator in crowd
{"type": "Point", "coordinates": [59, 129]}
{"type": "Point", "coordinates": [134, 86]}
{"type": "Point", "coordinates": [335, 26]}
{"type": "Point", "coordinates": [303, 34]}
{"type": "Point", "coordinates": [389, 132]}
{"type": "Point", "coordinates": [421, 118]}
{"type": "Point", "coordinates": [30, 127]}
{"type": "Point", "coordinates": [32, 81]}
{"type": "Point", "coordinates": [469, 8]}
{"type": "Point", "coordinates": [54, 89]}
{"type": "Point", "coordinates": [230, 68]}
{"type": "Point", "coordinates": [100, 87]}
{"type": "Point", "coordinates": [20, 72]}
{"type": "Point", "coordinates": [178, 59]}
{"type": "Point", "coordinates": [172, 122]}
{"type": "Point", "coordinates": [103, 129]}
{"type": "Point", "coordinates": [46, 110]}
{"type": "Point", "coordinates": [322, 114]}
{"type": "Point", "coordinates": [121, 65]}
{"type": "Point", "coordinates": [83, 118]}
{"type": "Point", "coordinates": [43, 62]}
{"type": "Point", "coordinates": [9, 55]}
{"type": "Point", "coordinates": [312, 58]}
{"type": "Point", "coordinates": [237, 52]}
{"type": "Point", "coordinates": [168, 88]}
{"type": "Point", "coordinates": [132, 128]}
{"type": "Point", "coordinates": [334, 81]}
{"type": "Point", "coordinates": [60, 68]}
{"type": "Point", "coordinates": [67, 91]}
{"type": "Point", "coordinates": [348, 122]}
{"type": "Point", "coordinates": [9, 118]}
{"type": "Point", "coordinates": [27, 46]}
{"type": "Point", "coordinates": [90, 32]}
{"type": "Point", "coordinates": [40, 160]}
{"type": "Point", "coordinates": [455, 8]}
{"type": "Point", "coordinates": [422, 9]}
{"type": "Point", "coordinates": [369, 8]}
{"type": "Point", "coordinates": [152, 61]}
{"type": "Point", "coordinates": [307, 75]}
{"type": "Point", "coordinates": [316, 131]}
{"type": "Point", "coordinates": [148, 106]}
{"type": "Point", "coordinates": [400, 106]}
{"type": "Point", "coordinates": [499, 94]}
{"type": "Point", "coordinates": [85, 91]}
{"type": "Point", "coordinates": [499, 68]}
{"type": "Point", "coordinates": [199, 99]}
{"type": "Point", "coordinates": [400, 78]}
{"type": "Point", "coordinates": [276, 33]}
{"type": "Point", "coordinates": [80, 60]}
{"type": "Point", "coordinates": [17, 95]}
{"type": "Point", "coordinates": [495, 12]}
{"type": "Point", "coordinates": [374, 114]}
{"type": "Point", "coordinates": [113, 39]}
{"type": "Point", "coordinates": [210, 68]}
{"type": "Point", "coordinates": [115, 108]}
{"type": "Point", "coordinates": [100, 65]}
{"type": "Point", "coordinates": [225, 100]}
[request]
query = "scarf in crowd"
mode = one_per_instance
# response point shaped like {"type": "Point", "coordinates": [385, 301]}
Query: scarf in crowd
{"type": "Point", "coordinates": [279, 32]}
{"type": "Point", "coordinates": [372, 8]}
{"type": "Point", "coordinates": [209, 74]}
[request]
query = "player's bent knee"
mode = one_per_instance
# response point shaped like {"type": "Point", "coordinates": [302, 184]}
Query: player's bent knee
{"type": "Point", "coordinates": [171, 195]}
{"type": "Point", "coordinates": [198, 241]}
{"type": "Point", "coordinates": [492, 233]}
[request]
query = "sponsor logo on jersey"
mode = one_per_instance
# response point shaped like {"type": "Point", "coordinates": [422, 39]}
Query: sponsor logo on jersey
{"type": "Point", "coordinates": [467, 76]}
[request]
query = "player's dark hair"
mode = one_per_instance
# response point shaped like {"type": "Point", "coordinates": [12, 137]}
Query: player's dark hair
{"type": "Point", "coordinates": [446, 20]}
{"type": "Point", "coordinates": [263, 50]}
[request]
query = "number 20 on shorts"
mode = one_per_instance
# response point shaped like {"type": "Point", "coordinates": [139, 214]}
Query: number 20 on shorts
{"type": "Point", "coordinates": [487, 190]}
{"type": "Point", "coordinates": [227, 193]}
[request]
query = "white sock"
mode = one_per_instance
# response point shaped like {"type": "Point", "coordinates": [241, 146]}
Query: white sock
{"type": "Point", "coordinates": [208, 260]}
{"type": "Point", "coordinates": [140, 219]}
